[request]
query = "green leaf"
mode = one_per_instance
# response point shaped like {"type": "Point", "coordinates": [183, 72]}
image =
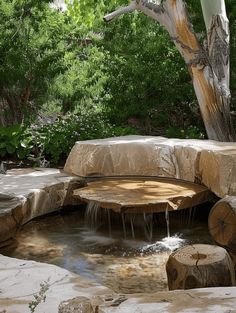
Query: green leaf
{"type": "Point", "coordinates": [10, 149]}
{"type": "Point", "coordinates": [2, 145]}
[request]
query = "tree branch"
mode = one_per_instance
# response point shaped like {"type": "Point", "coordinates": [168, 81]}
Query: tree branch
{"type": "Point", "coordinates": [120, 11]}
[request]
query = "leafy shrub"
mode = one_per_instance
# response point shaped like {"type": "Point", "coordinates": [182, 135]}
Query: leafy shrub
{"type": "Point", "coordinates": [192, 132]}
{"type": "Point", "coordinates": [15, 140]}
{"type": "Point", "coordinates": [54, 141]}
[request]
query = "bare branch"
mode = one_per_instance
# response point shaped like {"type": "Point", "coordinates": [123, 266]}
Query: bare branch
{"type": "Point", "coordinates": [120, 11]}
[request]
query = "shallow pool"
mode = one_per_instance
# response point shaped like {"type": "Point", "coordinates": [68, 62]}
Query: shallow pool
{"type": "Point", "coordinates": [126, 265]}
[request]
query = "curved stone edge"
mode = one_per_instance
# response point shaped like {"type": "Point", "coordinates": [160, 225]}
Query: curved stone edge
{"type": "Point", "coordinates": [207, 162]}
{"type": "Point", "coordinates": [22, 280]}
{"type": "Point", "coordinates": [33, 192]}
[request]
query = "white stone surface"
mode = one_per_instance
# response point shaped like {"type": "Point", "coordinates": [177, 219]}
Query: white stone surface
{"type": "Point", "coordinates": [208, 162]}
{"type": "Point", "coordinates": [28, 193]}
{"type": "Point", "coordinates": [209, 300]}
{"type": "Point", "coordinates": [21, 279]}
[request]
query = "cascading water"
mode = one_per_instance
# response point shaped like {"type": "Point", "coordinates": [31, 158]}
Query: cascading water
{"type": "Point", "coordinates": [97, 217]}
{"type": "Point", "coordinates": [148, 220]}
{"type": "Point", "coordinates": [167, 222]}
{"type": "Point", "coordinates": [135, 224]}
{"type": "Point", "coordinates": [92, 215]}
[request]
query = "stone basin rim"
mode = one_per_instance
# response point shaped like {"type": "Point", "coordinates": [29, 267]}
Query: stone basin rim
{"type": "Point", "coordinates": [151, 177]}
{"type": "Point", "coordinates": [138, 198]}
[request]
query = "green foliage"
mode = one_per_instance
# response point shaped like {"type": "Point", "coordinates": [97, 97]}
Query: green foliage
{"type": "Point", "coordinates": [54, 141]}
{"type": "Point", "coordinates": [192, 132]}
{"type": "Point", "coordinates": [15, 140]}
{"type": "Point", "coordinates": [144, 67]}
{"type": "Point", "coordinates": [97, 75]}
{"type": "Point", "coordinates": [39, 297]}
{"type": "Point", "coordinates": [82, 84]}
{"type": "Point", "coordinates": [139, 65]}
{"type": "Point", "coordinates": [35, 42]}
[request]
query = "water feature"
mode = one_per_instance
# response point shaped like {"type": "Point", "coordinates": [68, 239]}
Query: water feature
{"type": "Point", "coordinates": [124, 252]}
{"type": "Point", "coordinates": [167, 222]}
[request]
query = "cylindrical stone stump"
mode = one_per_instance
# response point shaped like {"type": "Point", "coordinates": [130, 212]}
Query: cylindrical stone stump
{"type": "Point", "coordinates": [222, 223]}
{"type": "Point", "coordinates": [199, 266]}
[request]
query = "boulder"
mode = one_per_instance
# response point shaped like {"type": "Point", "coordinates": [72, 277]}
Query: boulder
{"type": "Point", "coordinates": [28, 193]}
{"type": "Point", "coordinates": [207, 162]}
{"type": "Point", "coordinates": [76, 305]}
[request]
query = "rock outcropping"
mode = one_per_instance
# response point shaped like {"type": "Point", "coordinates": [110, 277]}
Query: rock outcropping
{"type": "Point", "coordinates": [28, 193]}
{"type": "Point", "coordinates": [207, 162]}
{"type": "Point", "coordinates": [44, 286]}
{"type": "Point", "coordinates": [25, 283]}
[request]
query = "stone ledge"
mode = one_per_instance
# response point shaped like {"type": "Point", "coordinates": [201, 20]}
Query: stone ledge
{"type": "Point", "coordinates": [207, 162]}
{"type": "Point", "coordinates": [17, 291]}
{"type": "Point", "coordinates": [28, 193]}
{"type": "Point", "coordinates": [21, 279]}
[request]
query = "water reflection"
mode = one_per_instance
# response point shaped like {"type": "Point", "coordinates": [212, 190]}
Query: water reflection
{"type": "Point", "coordinates": [117, 261]}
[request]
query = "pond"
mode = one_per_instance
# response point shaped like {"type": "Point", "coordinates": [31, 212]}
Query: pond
{"type": "Point", "coordinates": [126, 262]}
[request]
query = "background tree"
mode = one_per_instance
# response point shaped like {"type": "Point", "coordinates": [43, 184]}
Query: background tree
{"type": "Point", "coordinates": [209, 67]}
{"type": "Point", "coordinates": [35, 40]}
{"type": "Point", "coordinates": [91, 79]}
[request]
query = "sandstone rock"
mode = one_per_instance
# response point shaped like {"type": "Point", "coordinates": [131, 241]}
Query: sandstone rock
{"type": "Point", "coordinates": [204, 161]}
{"type": "Point", "coordinates": [143, 195]}
{"type": "Point", "coordinates": [207, 300]}
{"type": "Point", "coordinates": [76, 305]}
{"type": "Point", "coordinates": [22, 281]}
{"type": "Point", "coordinates": [28, 193]}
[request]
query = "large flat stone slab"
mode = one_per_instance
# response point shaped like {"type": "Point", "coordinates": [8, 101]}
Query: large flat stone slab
{"type": "Point", "coordinates": [207, 162]}
{"type": "Point", "coordinates": [21, 280]}
{"type": "Point", "coordinates": [207, 300]}
{"type": "Point", "coordinates": [139, 195]}
{"type": "Point", "coordinates": [28, 193]}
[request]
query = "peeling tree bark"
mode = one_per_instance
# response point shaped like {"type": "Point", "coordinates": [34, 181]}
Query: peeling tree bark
{"type": "Point", "coordinates": [217, 26]}
{"type": "Point", "coordinates": [209, 68]}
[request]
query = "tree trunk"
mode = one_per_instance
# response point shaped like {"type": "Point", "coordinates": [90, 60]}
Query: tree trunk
{"type": "Point", "coordinates": [217, 26]}
{"type": "Point", "coordinates": [211, 91]}
{"type": "Point", "coordinates": [11, 108]}
{"type": "Point", "coordinates": [222, 223]}
{"type": "Point", "coordinates": [199, 266]}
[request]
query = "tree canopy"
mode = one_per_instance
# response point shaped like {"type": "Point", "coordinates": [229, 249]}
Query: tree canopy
{"type": "Point", "coordinates": [71, 63]}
